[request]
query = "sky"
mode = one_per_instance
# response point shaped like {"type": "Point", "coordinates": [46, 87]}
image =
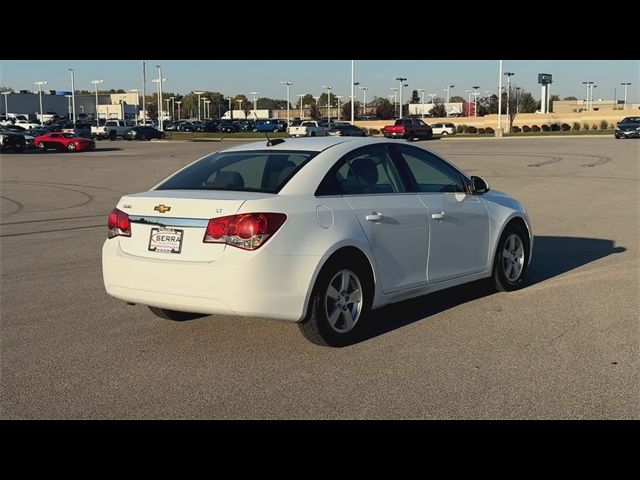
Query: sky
{"type": "Point", "coordinates": [232, 77]}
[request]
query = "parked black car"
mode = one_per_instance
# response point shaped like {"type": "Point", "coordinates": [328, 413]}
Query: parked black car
{"type": "Point", "coordinates": [186, 127]}
{"type": "Point", "coordinates": [143, 133]}
{"type": "Point", "coordinates": [345, 130]}
{"type": "Point", "coordinates": [228, 127]}
{"type": "Point", "coordinates": [208, 126]}
{"type": "Point", "coordinates": [11, 140]}
{"type": "Point", "coordinates": [629, 127]}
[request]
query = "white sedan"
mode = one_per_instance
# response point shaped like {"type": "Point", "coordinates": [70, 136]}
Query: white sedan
{"type": "Point", "coordinates": [318, 231]}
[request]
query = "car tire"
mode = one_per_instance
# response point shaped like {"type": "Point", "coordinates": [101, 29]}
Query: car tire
{"type": "Point", "coordinates": [330, 321]}
{"type": "Point", "coordinates": [42, 146]}
{"type": "Point", "coordinates": [71, 147]}
{"type": "Point", "coordinates": [174, 315]}
{"type": "Point", "coordinates": [510, 263]}
{"type": "Point", "coordinates": [444, 133]}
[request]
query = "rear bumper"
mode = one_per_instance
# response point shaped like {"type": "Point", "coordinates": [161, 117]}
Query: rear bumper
{"type": "Point", "coordinates": [253, 284]}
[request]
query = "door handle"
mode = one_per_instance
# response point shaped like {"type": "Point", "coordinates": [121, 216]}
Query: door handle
{"type": "Point", "coordinates": [374, 217]}
{"type": "Point", "coordinates": [438, 215]}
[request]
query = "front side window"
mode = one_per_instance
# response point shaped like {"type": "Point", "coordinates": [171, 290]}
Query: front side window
{"type": "Point", "coordinates": [431, 173]}
{"type": "Point", "coordinates": [365, 171]}
{"type": "Point", "coordinates": [255, 171]}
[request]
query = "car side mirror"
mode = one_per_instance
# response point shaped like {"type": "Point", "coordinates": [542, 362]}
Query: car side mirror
{"type": "Point", "coordinates": [479, 185]}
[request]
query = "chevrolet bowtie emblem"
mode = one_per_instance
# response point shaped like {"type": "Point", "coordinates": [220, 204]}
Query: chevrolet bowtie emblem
{"type": "Point", "coordinates": [161, 208]}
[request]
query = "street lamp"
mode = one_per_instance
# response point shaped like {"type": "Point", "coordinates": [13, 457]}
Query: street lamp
{"type": "Point", "coordinates": [339, 112]}
{"type": "Point", "coordinates": [475, 99]}
{"type": "Point", "coordinates": [44, 82]}
{"type": "Point", "coordinates": [239, 102]}
{"type": "Point", "coordinates": [95, 83]}
{"type": "Point", "coordinates": [422, 90]}
{"type": "Point", "coordinates": [395, 100]}
{"type": "Point", "coordinates": [448, 90]}
{"type": "Point", "coordinates": [73, 93]}
{"type": "Point", "coordinates": [625, 84]}
{"type": "Point", "coordinates": [255, 101]}
{"type": "Point", "coordinates": [160, 80]}
{"type": "Point", "coordinates": [287, 84]}
{"type": "Point", "coordinates": [179, 103]}
{"type": "Point", "coordinates": [6, 110]}
{"type": "Point", "coordinates": [587, 85]}
{"type": "Point", "coordinates": [69, 100]}
{"type": "Point", "coordinates": [402, 84]}
{"type": "Point", "coordinates": [230, 109]}
{"type": "Point", "coordinates": [364, 100]}
{"type": "Point", "coordinates": [198, 93]}
{"type": "Point", "coordinates": [136, 91]}
{"type": "Point", "coordinates": [301, 96]}
{"type": "Point", "coordinates": [509, 75]}
{"type": "Point", "coordinates": [328, 87]}
{"type": "Point", "coordinates": [592, 87]}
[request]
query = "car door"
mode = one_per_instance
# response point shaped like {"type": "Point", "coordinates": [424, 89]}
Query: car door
{"type": "Point", "coordinates": [458, 221]}
{"type": "Point", "coordinates": [53, 141]}
{"type": "Point", "coordinates": [394, 220]}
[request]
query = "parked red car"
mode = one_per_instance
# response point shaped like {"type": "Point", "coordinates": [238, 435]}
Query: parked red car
{"type": "Point", "coordinates": [62, 141]}
{"type": "Point", "coordinates": [408, 128]}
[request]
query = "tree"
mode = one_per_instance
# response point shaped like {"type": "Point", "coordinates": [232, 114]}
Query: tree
{"type": "Point", "coordinates": [314, 112]}
{"type": "Point", "coordinates": [415, 98]}
{"type": "Point", "coordinates": [306, 100]}
{"type": "Point", "coordinates": [346, 109]}
{"type": "Point", "coordinates": [385, 109]}
{"type": "Point", "coordinates": [552, 99]}
{"type": "Point", "coordinates": [570, 98]}
{"type": "Point", "coordinates": [527, 103]}
{"type": "Point", "coordinates": [438, 110]}
{"type": "Point", "coordinates": [6, 89]}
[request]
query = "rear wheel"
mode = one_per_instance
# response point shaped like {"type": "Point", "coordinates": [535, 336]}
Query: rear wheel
{"type": "Point", "coordinates": [339, 305]}
{"type": "Point", "coordinates": [174, 314]}
{"type": "Point", "coordinates": [444, 133]}
{"type": "Point", "coordinates": [510, 262]}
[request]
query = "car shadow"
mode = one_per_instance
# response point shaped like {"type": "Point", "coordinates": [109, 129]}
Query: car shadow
{"type": "Point", "coordinates": [552, 256]}
{"type": "Point", "coordinates": [106, 149]}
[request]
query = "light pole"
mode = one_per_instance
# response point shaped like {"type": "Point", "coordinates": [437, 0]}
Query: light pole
{"type": "Point", "coordinates": [422, 90]}
{"type": "Point", "coordinates": [179, 103]}
{"type": "Point", "coordinates": [395, 100]}
{"type": "Point", "coordinates": [328, 87]}
{"type": "Point", "coordinates": [207, 110]}
{"type": "Point", "coordinates": [73, 93]}
{"type": "Point", "coordinates": [364, 100]}
{"type": "Point", "coordinates": [475, 100]}
{"type": "Point", "coordinates": [239, 102]}
{"type": "Point", "coordinates": [300, 96]}
{"type": "Point", "coordinates": [448, 90]}
{"type": "Point", "coordinates": [518, 99]}
{"type": "Point", "coordinates": [591, 96]}
{"type": "Point", "coordinates": [198, 94]}
{"type": "Point", "coordinates": [339, 112]}
{"type": "Point", "coordinates": [69, 101]}
{"type": "Point", "coordinates": [230, 109]}
{"type": "Point", "coordinates": [625, 84]}
{"type": "Point", "coordinates": [44, 82]}
{"type": "Point", "coordinates": [509, 75]}
{"type": "Point", "coordinates": [353, 92]}
{"type": "Point", "coordinates": [288, 84]}
{"type": "Point", "coordinates": [168, 100]}
{"type": "Point", "coordinates": [136, 91]}
{"type": "Point", "coordinates": [587, 84]}
{"type": "Point", "coordinates": [402, 84]}
{"type": "Point", "coordinates": [500, 99]}
{"type": "Point", "coordinates": [173, 107]}
{"type": "Point", "coordinates": [95, 83]}
{"type": "Point", "coordinates": [160, 80]}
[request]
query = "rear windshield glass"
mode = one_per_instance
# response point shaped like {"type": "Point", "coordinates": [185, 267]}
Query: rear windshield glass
{"type": "Point", "coordinates": [255, 171]}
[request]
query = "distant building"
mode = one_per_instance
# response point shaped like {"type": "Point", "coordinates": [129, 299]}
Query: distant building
{"type": "Point", "coordinates": [569, 106]}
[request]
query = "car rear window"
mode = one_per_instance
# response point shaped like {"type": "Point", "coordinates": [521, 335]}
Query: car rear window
{"type": "Point", "coordinates": [253, 171]}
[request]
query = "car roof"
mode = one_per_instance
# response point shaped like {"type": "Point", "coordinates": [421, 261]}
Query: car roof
{"type": "Point", "coordinates": [307, 144]}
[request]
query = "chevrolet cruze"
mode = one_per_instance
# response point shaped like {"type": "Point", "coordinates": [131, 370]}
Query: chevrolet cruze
{"type": "Point", "coordinates": [318, 231]}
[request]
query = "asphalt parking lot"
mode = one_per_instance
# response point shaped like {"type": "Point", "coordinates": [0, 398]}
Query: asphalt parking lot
{"type": "Point", "coordinates": [565, 347]}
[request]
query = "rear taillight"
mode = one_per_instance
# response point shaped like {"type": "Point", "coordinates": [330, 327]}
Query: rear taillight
{"type": "Point", "coordinates": [118, 224]}
{"type": "Point", "coordinates": [247, 230]}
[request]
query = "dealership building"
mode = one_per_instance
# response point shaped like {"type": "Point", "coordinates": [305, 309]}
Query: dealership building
{"type": "Point", "coordinates": [114, 105]}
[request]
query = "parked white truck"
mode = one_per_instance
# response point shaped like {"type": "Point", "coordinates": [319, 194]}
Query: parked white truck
{"type": "Point", "coordinates": [310, 128]}
{"type": "Point", "coordinates": [112, 129]}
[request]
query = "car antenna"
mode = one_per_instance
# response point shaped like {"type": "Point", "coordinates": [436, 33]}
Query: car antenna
{"type": "Point", "coordinates": [270, 142]}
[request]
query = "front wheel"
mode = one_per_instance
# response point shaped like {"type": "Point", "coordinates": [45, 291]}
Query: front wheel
{"type": "Point", "coordinates": [510, 262]}
{"type": "Point", "coordinates": [444, 133]}
{"type": "Point", "coordinates": [339, 305]}
{"type": "Point", "coordinates": [42, 146]}
{"type": "Point", "coordinates": [71, 147]}
{"type": "Point", "coordinates": [174, 314]}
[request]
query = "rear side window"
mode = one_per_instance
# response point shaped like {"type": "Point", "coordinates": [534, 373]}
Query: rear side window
{"type": "Point", "coordinates": [365, 171]}
{"type": "Point", "coordinates": [255, 171]}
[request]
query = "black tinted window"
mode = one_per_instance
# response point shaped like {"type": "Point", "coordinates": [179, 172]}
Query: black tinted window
{"type": "Point", "coordinates": [431, 173]}
{"type": "Point", "coordinates": [255, 171]}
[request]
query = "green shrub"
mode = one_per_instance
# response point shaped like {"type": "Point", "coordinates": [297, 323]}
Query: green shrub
{"type": "Point", "coordinates": [535, 128]}
{"type": "Point", "coordinates": [526, 128]}
{"type": "Point", "coordinates": [566, 127]}
{"type": "Point", "coordinates": [576, 126]}
{"type": "Point", "coordinates": [515, 129]}
{"type": "Point", "coordinates": [603, 125]}
{"type": "Point", "coordinates": [472, 129]}
{"type": "Point", "coordinates": [481, 130]}
{"type": "Point", "coordinates": [374, 131]}
{"type": "Point", "coordinates": [585, 126]}
{"type": "Point", "coordinates": [555, 127]}
{"type": "Point", "coordinates": [546, 128]}
{"type": "Point", "coordinates": [461, 128]}
{"type": "Point", "coordinates": [594, 127]}
{"type": "Point", "coordinates": [489, 130]}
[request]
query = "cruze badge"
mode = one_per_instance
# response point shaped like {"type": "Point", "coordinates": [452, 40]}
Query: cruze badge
{"type": "Point", "coordinates": [161, 208]}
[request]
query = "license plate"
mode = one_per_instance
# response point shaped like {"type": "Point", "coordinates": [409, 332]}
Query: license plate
{"type": "Point", "coordinates": [165, 240]}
